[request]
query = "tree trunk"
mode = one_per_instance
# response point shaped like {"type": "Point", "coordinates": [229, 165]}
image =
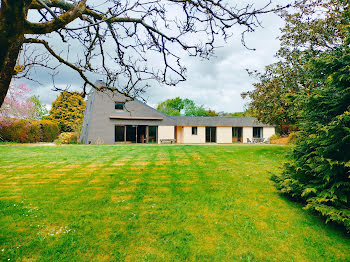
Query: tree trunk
{"type": "Point", "coordinates": [12, 20]}
{"type": "Point", "coordinates": [8, 60]}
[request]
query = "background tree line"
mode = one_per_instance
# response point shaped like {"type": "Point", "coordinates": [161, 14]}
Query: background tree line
{"type": "Point", "coordinates": [187, 107]}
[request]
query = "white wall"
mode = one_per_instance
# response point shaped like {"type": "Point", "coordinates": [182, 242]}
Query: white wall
{"type": "Point", "coordinates": [224, 134]}
{"type": "Point", "coordinates": [166, 132]}
{"type": "Point", "coordinates": [189, 138]}
{"type": "Point", "coordinates": [247, 133]}
{"type": "Point", "coordinates": [268, 132]}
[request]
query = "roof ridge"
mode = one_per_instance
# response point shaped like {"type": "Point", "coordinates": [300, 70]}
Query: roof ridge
{"type": "Point", "coordinates": [137, 100]}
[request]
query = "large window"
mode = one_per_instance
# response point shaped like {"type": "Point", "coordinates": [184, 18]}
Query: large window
{"type": "Point", "coordinates": [119, 134]}
{"type": "Point", "coordinates": [131, 134]}
{"type": "Point", "coordinates": [152, 134]}
{"type": "Point", "coordinates": [119, 106]}
{"type": "Point", "coordinates": [257, 132]}
{"type": "Point", "coordinates": [234, 132]}
{"type": "Point", "coordinates": [136, 134]}
{"type": "Point", "coordinates": [194, 130]}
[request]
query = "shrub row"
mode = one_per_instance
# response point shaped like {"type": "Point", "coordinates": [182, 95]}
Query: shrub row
{"type": "Point", "coordinates": [28, 131]}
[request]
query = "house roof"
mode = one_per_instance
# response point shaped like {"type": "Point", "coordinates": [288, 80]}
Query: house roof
{"type": "Point", "coordinates": [140, 113]}
{"type": "Point", "coordinates": [216, 121]}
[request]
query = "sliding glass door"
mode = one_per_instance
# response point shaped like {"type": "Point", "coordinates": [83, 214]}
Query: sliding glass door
{"type": "Point", "coordinates": [210, 134]}
{"type": "Point", "coordinates": [131, 134]}
{"type": "Point", "coordinates": [152, 134]}
{"type": "Point", "coordinates": [135, 134]}
{"type": "Point", "coordinates": [237, 134]}
{"type": "Point", "coordinates": [119, 134]}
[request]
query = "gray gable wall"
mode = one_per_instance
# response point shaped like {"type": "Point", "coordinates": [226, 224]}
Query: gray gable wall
{"type": "Point", "coordinates": [98, 116]}
{"type": "Point", "coordinates": [87, 117]}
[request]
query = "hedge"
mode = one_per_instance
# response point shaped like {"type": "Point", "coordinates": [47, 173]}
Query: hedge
{"type": "Point", "coordinates": [28, 131]}
{"type": "Point", "coordinates": [50, 130]}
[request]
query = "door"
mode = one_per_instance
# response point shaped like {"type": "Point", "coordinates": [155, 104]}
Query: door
{"type": "Point", "coordinates": [210, 134]}
{"type": "Point", "coordinates": [131, 134]}
{"type": "Point", "coordinates": [119, 134]}
{"type": "Point", "coordinates": [237, 134]}
{"type": "Point", "coordinates": [141, 134]}
{"type": "Point", "coordinates": [152, 134]}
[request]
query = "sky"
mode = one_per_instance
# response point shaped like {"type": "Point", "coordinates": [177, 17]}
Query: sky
{"type": "Point", "coordinates": [216, 83]}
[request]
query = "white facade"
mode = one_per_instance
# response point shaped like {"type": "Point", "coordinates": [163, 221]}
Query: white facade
{"type": "Point", "coordinates": [189, 138]}
{"type": "Point", "coordinates": [166, 132]}
{"type": "Point", "coordinates": [247, 133]}
{"type": "Point", "coordinates": [224, 134]}
{"type": "Point", "coordinates": [268, 131]}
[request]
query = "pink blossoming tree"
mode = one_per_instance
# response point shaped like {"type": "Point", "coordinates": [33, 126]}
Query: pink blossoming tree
{"type": "Point", "coordinates": [18, 104]}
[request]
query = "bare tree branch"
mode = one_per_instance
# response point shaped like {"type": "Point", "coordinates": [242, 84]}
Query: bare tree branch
{"type": "Point", "coordinates": [128, 43]}
{"type": "Point", "coordinates": [60, 59]}
{"type": "Point", "coordinates": [58, 23]}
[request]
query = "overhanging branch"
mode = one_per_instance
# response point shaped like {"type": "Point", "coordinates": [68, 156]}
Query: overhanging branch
{"type": "Point", "coordinates": [60, 59]}
{"type": "Point", "coordinates": [58, 23]}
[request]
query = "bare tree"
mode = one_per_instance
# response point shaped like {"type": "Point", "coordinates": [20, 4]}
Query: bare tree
{"type": "Point", "coordinates": [119, 39]}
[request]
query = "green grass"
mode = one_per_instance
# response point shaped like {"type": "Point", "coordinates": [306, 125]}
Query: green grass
{"type": "Point", "coordinates": [155, 203]}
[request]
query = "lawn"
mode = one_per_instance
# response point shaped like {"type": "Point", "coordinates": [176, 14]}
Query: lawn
{"type": "Point", "coordinates": [155, 203]}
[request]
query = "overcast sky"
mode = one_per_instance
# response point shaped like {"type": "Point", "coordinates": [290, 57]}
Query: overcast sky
{"type": "Point", "coordinates": [216, 84]}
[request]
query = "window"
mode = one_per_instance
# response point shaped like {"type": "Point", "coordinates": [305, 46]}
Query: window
{"type": "Point", "coordinates": [257, 132]}
{"type": "Point", "coordinates": [237, 134]}
{"type": "Point", "coordinates": [119, 106]}
{"type": "Point", "coordinates": [152, 134]}
{"type": "Point", "coordinates": [234, 132]}
{"type": "Point", "coordinates": [194, 130]}
{"type": "Point", "coordinates": [119, 133]}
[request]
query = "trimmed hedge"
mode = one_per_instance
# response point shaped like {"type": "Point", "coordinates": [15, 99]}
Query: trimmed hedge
{"type": "Point", "coordinates": [28, 131]}
{"type": "Point", "coordinates": [50, 130]}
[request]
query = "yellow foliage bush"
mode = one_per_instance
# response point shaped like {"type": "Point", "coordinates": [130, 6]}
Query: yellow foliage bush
{"type": "Point", "coordinates": [68, 111]}
{"type": "Point", "coordinates": [278, 140]}
{"type": "Point", "coordinates": [68, 138]}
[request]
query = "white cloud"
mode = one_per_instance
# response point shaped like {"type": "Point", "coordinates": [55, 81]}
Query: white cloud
{"type": "Point", "coordinates": [217, 84]}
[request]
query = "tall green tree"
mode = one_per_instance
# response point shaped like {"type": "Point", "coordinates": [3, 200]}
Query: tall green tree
{"type": "Point", "coordinates": [171, 107]}
{"type": "Point", "coordinates": [191, 109]}
{"type": "Point", "coordinates": [318, 171]}
{"type": "Point", "coordinates": [68, 111]}
{"type": "Point", "coordinates": [186, 107]}
{"type": "Point", "coordinates": [274, 99]}
{"type": "Point", "coordinates": [313, 27]}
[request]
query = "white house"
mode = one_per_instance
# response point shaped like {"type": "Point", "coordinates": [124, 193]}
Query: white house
{"type": "Point", "coordinates": [111, 118]}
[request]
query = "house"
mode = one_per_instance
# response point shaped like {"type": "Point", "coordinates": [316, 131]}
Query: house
{"type": "Point", "coordinates": [111, 118]}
